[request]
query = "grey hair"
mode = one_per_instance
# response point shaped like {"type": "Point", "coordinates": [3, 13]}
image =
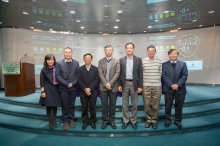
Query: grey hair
{"type": "Point", "coordinates": [108, 46]}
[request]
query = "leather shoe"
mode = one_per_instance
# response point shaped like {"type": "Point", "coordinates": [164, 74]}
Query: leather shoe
{"type": "Point", "coordinates": [124, 125]}
{"type": "Point", "coordinates": [113, 125]}
{"type": "Point", "coordinates": [84, 126]}
{"type": "Point", "coordinates": [166, 125]}
{"type": "Point", "coordinates": [93, 125]}
{"type": "Point", "coordinates": [134, 126]}
{"type": "Point", "coordinates": [72, 124]}
{"type": "Point", "coordinates": [179, 125]}
{"type": "Point", "coordinates": [104, 125]}
{"type": "Point", "coordinates": [154, 125]}
{"type": "Point", "coordinates": [147, 124]}
{"type": "Point", "coordinates": [65, 126]}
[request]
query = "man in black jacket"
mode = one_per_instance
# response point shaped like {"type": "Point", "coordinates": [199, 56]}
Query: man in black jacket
{"type": "Point", "coordinates": [88, 80]}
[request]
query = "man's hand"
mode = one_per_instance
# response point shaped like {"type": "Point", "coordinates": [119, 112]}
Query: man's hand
{"type": "Point", "coordinates": [70, 85]}
{"type": "Point", "coordinates": [175, 87]}
{"type": "Point", "coordinates": [87, 91]}
{"type": "Point", "coordinates": [43, 95]}
{"type": "Point", "coordinates": [139, 90]}
{"type": "Point", "coordinates": [120, 89]}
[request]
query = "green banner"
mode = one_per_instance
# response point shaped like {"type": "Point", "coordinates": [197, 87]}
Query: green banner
{"type": "Point", "coordinates": [11, 68]}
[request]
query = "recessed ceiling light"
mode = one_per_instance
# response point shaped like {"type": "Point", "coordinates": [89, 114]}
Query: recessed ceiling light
{"type": "Point", "coordinates": [106, 16]}
{"type": "Point", "coordinates": [179, 28]}
{"type": "Point", "coordinates": [5, 1]}
{"type": "Point", "coordinates": [200, 25]}
{"type": "Point", "coordinates": [100, 32]}
{"type": "Point", "coordinates": [211, 11]}
{"type": "Point", "coordinates": [38, 21]}
{"type": "Point", "coordinates": [106, 24]}
{"type": "Point", "coordinates": [116, 27]}
{"type": "Point", "coordinates": [115, 32]}
{"type": "Point", "coordinates": [179, 0]}
{"type": "Point", "coordinates": [51, 29]}
{"type": "Point", "coordinates": [25, 13]}
{"type": "Point", "coordinates": [120, 11]}
{"type": "Point", "coordinates": [149, 27]}
{"type": "Point", "coordinates": [117, 20]}
{"type": "Point", "coordinates": [129, 32]}
{"type": "Point", "coordinates": [64, 0]}
{"type": "Point", "coordinates": [82, 27]}
{"type": "Point", "coordinates": [194, 20]}
{"type": "Point", "coordinates": [72, 12]}
{"type": "Point", "coordinates": [156, 20]}
{"type": "Point", "coordinates": [145, 31]}
{"type": "Point", "coordinates": [32, 27]}
{"type": "Point", "coordinates": [106, 6]}
{"type": "Point", "coordinates": [161, 30]}
{"type": "Point", "coordinates": [166, 11]}
{"type": "Point", "coordinates": [78, 21]}
{"type": "Point", "coordinates": [106, 29]}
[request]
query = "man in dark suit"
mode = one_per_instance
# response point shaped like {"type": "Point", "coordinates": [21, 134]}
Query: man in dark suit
{"type": "Point", "coordinates": [130, 84]}
{"type": "Point", "coordinates": [174, 76]}
{"type": "Point", "coordinates": [66, 74]}
{"type": "Point", "coordinates": [109, 70]}
{"type": "Point", "coordinates": [88, 79]}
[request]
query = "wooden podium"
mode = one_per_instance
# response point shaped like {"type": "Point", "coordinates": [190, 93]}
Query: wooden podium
{"type": "Point", "coordinates": [22, 84]}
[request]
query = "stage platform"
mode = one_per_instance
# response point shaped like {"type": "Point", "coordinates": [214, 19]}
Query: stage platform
{"type": "Point", "coordinates": [201, 111]}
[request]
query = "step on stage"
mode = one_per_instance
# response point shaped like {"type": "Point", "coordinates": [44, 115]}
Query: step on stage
{"type": "Point", "coordinates": [201, 111]}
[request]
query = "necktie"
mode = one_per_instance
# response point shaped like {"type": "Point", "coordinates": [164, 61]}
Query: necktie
{"type": "Point", "coordinates": [174, 65]}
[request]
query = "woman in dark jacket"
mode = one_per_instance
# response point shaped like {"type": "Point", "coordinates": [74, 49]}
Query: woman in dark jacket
{"type": "Point", "coordinates": [49, 89]}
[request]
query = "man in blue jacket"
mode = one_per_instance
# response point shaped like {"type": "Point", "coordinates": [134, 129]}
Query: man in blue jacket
{"type": "Point", "coordinates": [174, 76]}
{"type": "Point", "coordinates": [66, 74]}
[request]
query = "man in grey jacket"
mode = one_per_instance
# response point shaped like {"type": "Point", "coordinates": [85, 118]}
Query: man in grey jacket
{"type": "Point", "coordinates": [109, 70]}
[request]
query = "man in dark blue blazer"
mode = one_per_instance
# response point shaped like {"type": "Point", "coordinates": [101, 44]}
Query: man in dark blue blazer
{"type": "Point", "coordinates": [66, 74]}
{"type": "Point", "coordinates": [88, 80]}
{"type": "Point", "coordinates": [174, 76]}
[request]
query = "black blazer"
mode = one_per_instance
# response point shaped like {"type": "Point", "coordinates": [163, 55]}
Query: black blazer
{"type": "Point", "coordinates": [63, 78]}
{"type": "Point", "coordinates": [137, 72]}
{"type": "Point", "coordinates": [177, 76]}
{"type": "Point", "coordinates": [88, 79]}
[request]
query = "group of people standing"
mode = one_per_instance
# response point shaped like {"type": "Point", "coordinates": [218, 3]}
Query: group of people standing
{"type": "Point", "coordinates": [129, 75]}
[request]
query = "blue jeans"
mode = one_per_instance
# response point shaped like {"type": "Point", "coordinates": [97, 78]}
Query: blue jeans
{"type": "Point", "coordinates": [68, 99]}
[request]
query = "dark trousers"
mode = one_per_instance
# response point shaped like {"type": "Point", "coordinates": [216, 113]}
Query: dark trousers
{"type": "Point", "coordinates": [90, 102]}
{"type": "Point", "coordinates": [179, 100]}
{"type": "Point", "coordinates": [108, 100]}
{"type": "Point", "coordinates": [68, 99]}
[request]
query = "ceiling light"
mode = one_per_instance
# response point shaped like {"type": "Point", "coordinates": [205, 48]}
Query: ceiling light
{"type": "Point", "coordinates": [106, 6]}
{"type": "Point", "coordinates": [115, 32]}
{"type": "Point", "coordinates": [145, 31]}
{"type": "Point", "coordinates": [5, 1]}
{"type": "Point", "coordinates": [134, 25]}
{"type": "Point", "coordinates": [106, 16]}
{"type": "Point", "coordinates": [64, 0]}
{"type": "Point", "coordinates": [166, 11]}
{"type": "Point", "coordinates": [38, 21]}
{"type": "Point", "coordinates": [200, 25]}
{"type": "Point", "coordinates": [211, 11]}
{"type": "Point", "coordinates": [32, 27]}
{"type": "Point", "coordinates": [100, 32]}
{"type": "Point", "coordinates": [51, 29]}
{"type": "Point", "coordinates": [179, 28]}
{"type": "Point", "coordinates": [129, 32]}
{"type": "Point", "coordinates": [161, 30]}
{"type": "Point", "coordinates": [82, 27]}
{"type": "Point", "coordinates": [117, 20]}
{"type": "Point", "coordinates": [120, 11]}
{"type": "Point", "coordinates": [106, 29]}
{"type": "Point", "coordinates": [25, 13]}
{"type": "Point", "coordinates": [72, 12]}
{"type": "Point", "coordinates": [149, 27]}
{"type": "Point", "coordinates": [78, 21]}
{"type": "Point", "coordinates": [194, 20]}
{"type": "Point", "coordinates": [106, 24]}
{"type": "Point", "coordinates": [116, 27]}
{"type": "Point", "coordinates": [179, 0]}
{"type": "Point", "coordinates": [156, 20]}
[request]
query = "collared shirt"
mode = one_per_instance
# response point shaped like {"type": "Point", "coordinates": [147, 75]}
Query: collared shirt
{"type": "Point", "coordinates": [88, 68]}
{"type": "Point", "coordinates": [108, 59]}
{"type": "Point", "coordinates": [67, 61]}
{"type": "Point", "coordinates": [173, 61]}
{"type": "Point", "coordinates": [129, 68]}
{"type": "Point", "coordinates": [148, 59]}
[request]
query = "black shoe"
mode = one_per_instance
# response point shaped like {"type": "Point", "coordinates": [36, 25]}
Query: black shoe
{"type": "Point", "coordinates": [134, 126]}
{"type": "Point", "coordinates": [179, 125]}
{"type": "Point", "coordinates": [84, 126]}
{"type": "Point", "coordinates": [113, 125]}
{"type": "Point", "coordinates": [104, 125]}
{"type": "Point", "coordinates": [166, 125]}
{"type": "Point", "coordinates": [154, 125]}
{"type": "Point", "coordinates": [124, 125]}
{"type": "Point", "coordinates": [147, 124]}
{"type": "Point", "coordinates": [93, 125]}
